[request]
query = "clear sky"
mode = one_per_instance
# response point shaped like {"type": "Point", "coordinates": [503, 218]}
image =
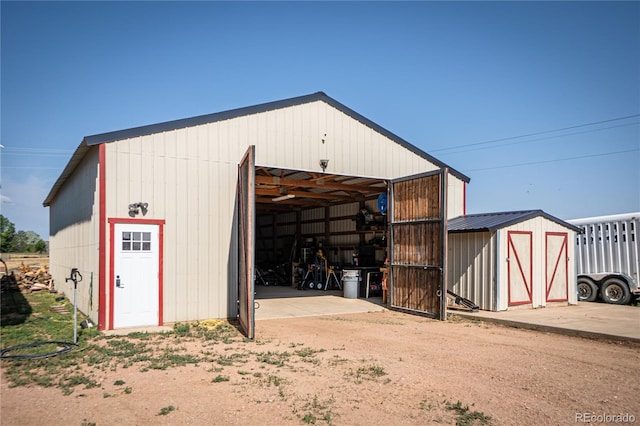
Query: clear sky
{"type": "Point", "coordinates": [464, 81]}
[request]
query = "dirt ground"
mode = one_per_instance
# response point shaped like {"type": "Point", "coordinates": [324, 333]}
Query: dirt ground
{"type": "Point", "coordinates": [359, 369]}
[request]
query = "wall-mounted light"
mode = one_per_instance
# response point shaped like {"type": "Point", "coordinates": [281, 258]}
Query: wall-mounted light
{"type": "Point", "coordinates": [324, 164]}
{"type": "Point", "coordinates": [136, 208]}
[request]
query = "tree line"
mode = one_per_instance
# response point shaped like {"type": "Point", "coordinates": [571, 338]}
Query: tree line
{"type": "Point", "coordinates": [20, 241]}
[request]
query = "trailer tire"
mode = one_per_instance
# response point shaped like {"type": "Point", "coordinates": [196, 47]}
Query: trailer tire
{"type": "Point", "coordinates": [587, 290]}
{"type": "Point", "coordinates": [616, 292]}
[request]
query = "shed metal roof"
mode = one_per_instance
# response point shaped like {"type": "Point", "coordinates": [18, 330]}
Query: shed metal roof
{"type": "Point", "coordinates": [88, 141]}
{"type": "Point", "coordinates": [494, 221]}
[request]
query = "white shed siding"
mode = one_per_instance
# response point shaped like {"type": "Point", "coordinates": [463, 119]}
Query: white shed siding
{"type": "Point", "coordinates": [74, 239]}
{"type": "Point", "coordinates": [539, 226]}
{"type": "Point", "coordinates": [188, 176]}
{"type": "Point", "coordinates": [471, 267]}
{"type": "Point", "coordinates": [478, 265]}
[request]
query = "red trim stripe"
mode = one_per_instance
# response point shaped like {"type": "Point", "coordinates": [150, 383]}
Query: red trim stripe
{"type": "Point", "coordinates": [102, 244]}
{"type": "Point", "coordinates": [562, 251]}
{"type": "Point", "coordinates": [464, 198]}
{"type": "Point", "coordinates": [527, 285]}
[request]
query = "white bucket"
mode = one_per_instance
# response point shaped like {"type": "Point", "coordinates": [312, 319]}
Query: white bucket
{"type": "Point", "coordinates": [350, 280]}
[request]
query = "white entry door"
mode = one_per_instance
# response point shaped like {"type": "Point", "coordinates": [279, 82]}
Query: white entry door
{"type": "Point", "coordinates": [135, 275]}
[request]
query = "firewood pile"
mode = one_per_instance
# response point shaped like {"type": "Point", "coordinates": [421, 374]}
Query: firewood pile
{"type": "Point", "coordinates": [28, 279]}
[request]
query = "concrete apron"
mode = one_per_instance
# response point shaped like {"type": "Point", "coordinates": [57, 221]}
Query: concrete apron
{"type": "Point", "coordinates": [286, 302]}
{"type": "Point", "coordinates": [586, 319]}
{"type": "Point", "coordinates": [591, 320]}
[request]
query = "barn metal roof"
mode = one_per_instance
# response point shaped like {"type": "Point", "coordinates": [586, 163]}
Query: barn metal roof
{"type": "Point", "coordinates": [88, 141]}
{"type": "Point", "coordinates": [494, 221]}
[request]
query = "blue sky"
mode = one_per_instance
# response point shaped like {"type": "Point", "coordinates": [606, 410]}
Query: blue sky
{"type": "Point", "coordinates": [460, 80]}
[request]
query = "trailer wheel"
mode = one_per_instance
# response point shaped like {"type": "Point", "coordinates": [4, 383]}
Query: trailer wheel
{"type": "Point", "coordinates": [616, 292]}
{"type": "Point", "coordinates": [587, 290]}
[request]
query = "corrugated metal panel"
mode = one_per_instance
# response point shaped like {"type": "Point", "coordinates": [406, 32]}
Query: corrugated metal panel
{"type": "Point", "coordinates": [188, 176]}
{"type": "Point", "coordinates": [74, 229]}
{"type": "Point", "coordinates": [493, 221]}
{"type": "Point", "coordinates": [196, 197]}
{"type": "Point", "coordinates": [455, 197]}
{"type": "Point", "coordinates": [488, 221]}
{"type": "Point", "coordinates": [471, 267]}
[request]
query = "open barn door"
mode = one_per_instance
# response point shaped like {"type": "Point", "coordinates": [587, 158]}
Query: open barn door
{"type": "Point", "coordinates": [246, 239]}
{"type": "Point", "coordinates": [418, 238]}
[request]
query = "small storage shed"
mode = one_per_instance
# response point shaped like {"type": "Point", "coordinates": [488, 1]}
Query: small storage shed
{"type": "Point", "coordinates": [165, 222]}
{"type": "Point", "coordinates": [508, 259]}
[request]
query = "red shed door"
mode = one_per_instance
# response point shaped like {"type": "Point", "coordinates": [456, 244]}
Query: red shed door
{"type": "Point", "coordinates": [246, 240]}
{"type": "Point", "coordinates": [418, 235]}
{"type": "Point", "coordinates": [520, 266]}
{"type": "Point", "coordinates": [557, 267]}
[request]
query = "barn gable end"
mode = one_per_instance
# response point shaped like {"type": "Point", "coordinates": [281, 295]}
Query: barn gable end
{"type": "Point", "coordinates": [185, 174]}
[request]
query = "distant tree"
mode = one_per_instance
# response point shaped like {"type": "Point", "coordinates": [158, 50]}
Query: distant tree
{"type": "Point", "coordinates": [25, 241]}
{"type": "Point", "coordinates": [40, 246]}
{"type": "Point", "coordinates": [28, 242]}
{"type": "Point", "coordinates": [7, 233]}
{"type": "Point", "coordinates": [19, 242]}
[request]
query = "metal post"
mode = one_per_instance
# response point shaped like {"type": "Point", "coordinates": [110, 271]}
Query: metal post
{"type": "Point", "coordinates": [75, 313]}
{"type": "Point", "coordinates": [74, 277]}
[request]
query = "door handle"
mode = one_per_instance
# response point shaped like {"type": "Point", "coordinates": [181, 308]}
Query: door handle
{"type": "Point", "coordinates": [118, 284]}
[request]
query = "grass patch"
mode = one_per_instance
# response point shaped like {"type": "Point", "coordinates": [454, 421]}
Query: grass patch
{"type": "Point", "coordinates": [370, 372]}
{"type": "Point", "coordinates": [166, 410]}
{"type": "Point", "coordinates": [466, 417]}
{"type": "Point", "coordinates": [220, 378]}
{"type": "Point", "coordinates": [315, 409]}
{"type": "Point", "coordinates": [273, 358]}
{"type": "Point", "coordinates": [95, 352]}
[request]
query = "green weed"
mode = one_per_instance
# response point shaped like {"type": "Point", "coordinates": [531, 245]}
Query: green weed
{"type": "Point", "coordinates": [219, 378]}
{"type": "Point", "coordinates": [274, 358]}
{"type": "Point", "coordinates": [166, 410]}
{"type": "Point", "coordinates": [466, 417]}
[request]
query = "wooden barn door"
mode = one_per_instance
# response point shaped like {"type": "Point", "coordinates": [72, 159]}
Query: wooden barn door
{"type": "Point", "coordinates": [520, 266]}
{"type": "Point", "coordinates": [246, 240]}
{"type": "Point", "coordinates": [556, 267]}
{"type": "Point", "coordinates": [418, 236]}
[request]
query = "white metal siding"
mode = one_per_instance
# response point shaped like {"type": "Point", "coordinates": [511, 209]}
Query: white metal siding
{"type": "Point", "coordinates": [471, 267]}
{"type": "Point", "coordinates": [74, 239]}
{"type": "Point", "coordinates": [188, 177]}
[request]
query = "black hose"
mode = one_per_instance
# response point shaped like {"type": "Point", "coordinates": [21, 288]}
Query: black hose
{"type": "Point", "coordinates": [65, 347]}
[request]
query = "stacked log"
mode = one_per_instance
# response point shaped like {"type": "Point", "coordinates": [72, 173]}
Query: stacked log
{"type": "Point", "coordinates": [32, 279]}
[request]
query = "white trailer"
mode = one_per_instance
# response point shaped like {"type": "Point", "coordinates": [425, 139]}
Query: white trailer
{"type": "Point", "coordinates": [607, 260]}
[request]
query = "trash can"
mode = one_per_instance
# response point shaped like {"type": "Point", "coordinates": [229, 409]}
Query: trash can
{"type": "Point", "coordinates": [350, 283]}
